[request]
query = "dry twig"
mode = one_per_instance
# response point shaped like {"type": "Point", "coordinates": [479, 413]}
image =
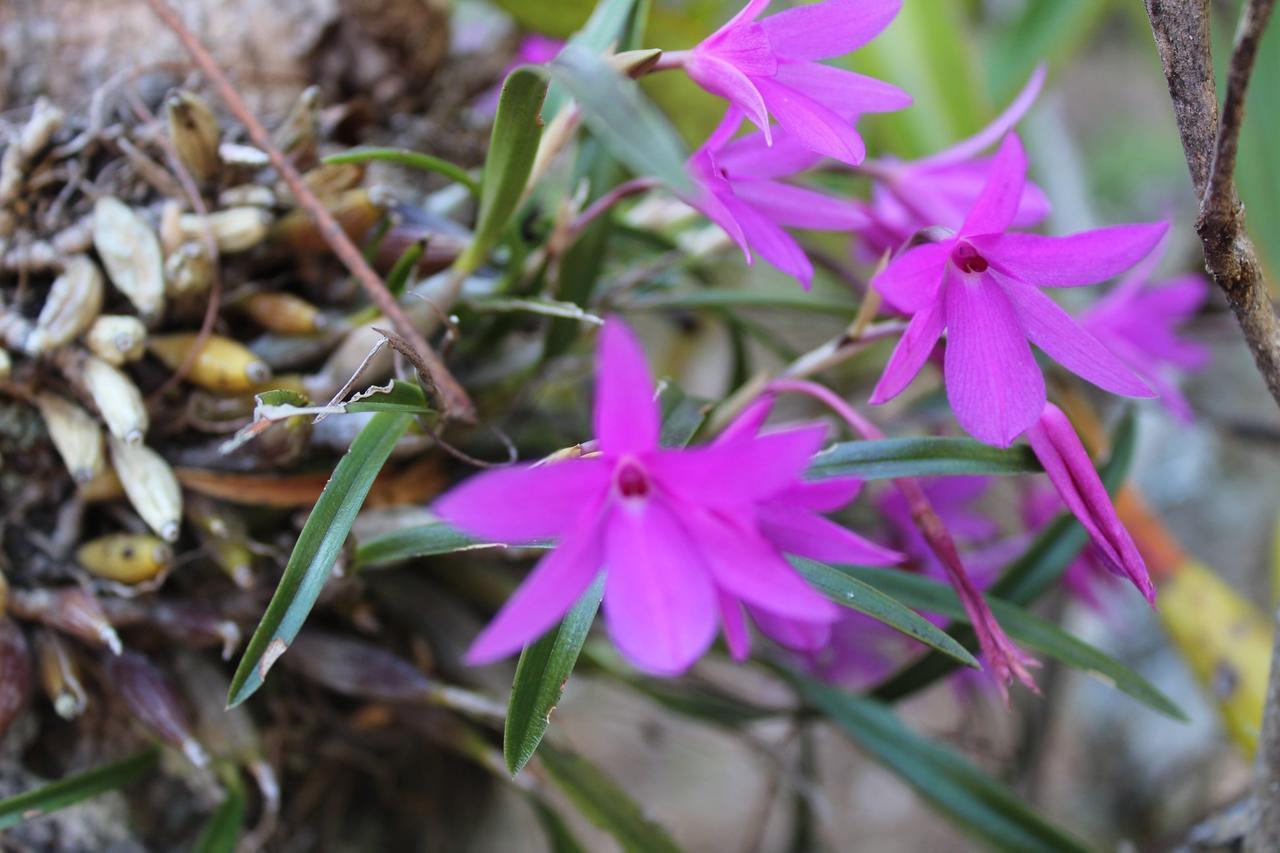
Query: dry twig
{"type": "Point", "coordinates": [455, 400]}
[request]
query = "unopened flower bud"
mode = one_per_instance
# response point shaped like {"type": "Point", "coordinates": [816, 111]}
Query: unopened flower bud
{"type": "Point", "coordinates": [60, 675]}
{"type": "Point", "coordinates": [117, 338]}
{"type": "Point", "coordinates": [151, 486]}
{"type": "Point", "coordinates": [236, 229]}
{"type": "Point", "coordinates": [75, 434]}
{"type": "Point", "coordinates": [194, 130]}
{"type": "Point", "coordinates": [74, 301]}
{"type": "Point", "coordinates": [118, 400]}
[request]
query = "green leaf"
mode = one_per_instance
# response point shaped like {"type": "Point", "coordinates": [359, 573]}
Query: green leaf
{"type": "Point", "coordinates": [410, 159]}
{"type": "Point", "coordinates": [622, 119]}
{"type": "Point", "coordinates": [920, 457]}
{"type": "Point", "coordinates": [404, 266]}
{"type": "Point", "coordinates": [422, 540]}
{"type": "Point", "coordinates": [316, 550]}
{"type": "Point", "coordinates": [513, 144]}
{"type": "Point", "coordinates": [73, 789]}
{"type": "Point", "coordinates": [604, 803]}
{"type": "Point", "coordinates": [559, 837]}
{"type": "Point", "coordinates": [1028, 629]}
{"type": "Point", "coordinates": [222, 833]}
{"type": "Point", "coordinates": [1043, 33]}
{"type": "Point", "coordinates": [401, 396]}
{"type": "Point", "coordinates": [976, 802]}
{"type": "Point", "coordinates": [682, 415]}
{"type": "Point", "coordinates": [726, 299]}
{"type": "Point", "coordinates": [541, 674]}
{"type": "Point", "coordinates": [841, 587]}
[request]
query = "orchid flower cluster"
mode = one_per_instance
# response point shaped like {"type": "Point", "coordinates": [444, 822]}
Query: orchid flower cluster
{"type": "Point", "coordinates": [693, 541]}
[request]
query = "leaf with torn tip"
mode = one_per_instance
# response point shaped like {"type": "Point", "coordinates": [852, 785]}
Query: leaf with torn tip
{"type": "Point", "coordinates": [316, 550]}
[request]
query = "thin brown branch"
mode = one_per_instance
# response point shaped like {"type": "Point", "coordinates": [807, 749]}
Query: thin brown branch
{"type": "Point", "coordinates": [454, 399]}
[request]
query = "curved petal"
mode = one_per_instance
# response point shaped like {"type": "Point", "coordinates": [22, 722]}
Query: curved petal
{"type": "Point", "coordinates": [720, 78]}
{"type": "Point", "coordinates": [719, 208]}
{"type": "Point", "coordinates": [793, 634]}
{"type": "Point", "coordinates": [1085, 258]}
{"type": "Point", "coordinates": [525, 503]}
{"type": "Point", "coordinates": [796, 207]}
{"type": "Point", "coordinates": [911, 280]}
{"type": "Point", "coordinates": [773, 244]}
{"type": "Point", "coordinates": [827, 29]}
{"type": "Point", "coordinates": [745, 426]}
{"type": "Point", "coordinates": [814, 126]}
{"type": "Point", "coordinates": [752, 156]}
{"type": "Point", "coordinates": [626, 415]}
{"type": "Point", "coordinates": [807, 535]}
{"type": "Point", "coordinates": [848, 93]}
{"type": "Point", "coordinates": [913, 350]}
{"type": "Point", "coordinates": [989, 135]}
{"type": "Point", "coordinates": [749, 567]}
{"type": "Point", "coordinates": [1053, 330]}
{"type": "Point", "coordinates": [745, 47]}
{"type": "Point", "coordinates": [737, 473]}
{"type": "Point", "coordinates": [555, 585]}
{"type": "Point", "coordinates": [660, 604]}
{"type": "Point", "coordinates": [734, 623]}
{"type": "Point", "coordinates": [820, 495]}
{"type": "Point", "coordinates": [998, 203]}
{"type": "Point", "coordinates": [993, 382]}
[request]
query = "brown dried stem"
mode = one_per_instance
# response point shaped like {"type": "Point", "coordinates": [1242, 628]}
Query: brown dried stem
{"type": "Point", "coordinates": [1210, 142]}
{"type": "Point", "coordinates": [455, 400]}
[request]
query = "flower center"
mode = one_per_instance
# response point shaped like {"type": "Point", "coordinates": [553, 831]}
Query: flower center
{"type": "Point", "coordinates": [967, 259]}
{"type": "Point", "coordinates": [631, 480]}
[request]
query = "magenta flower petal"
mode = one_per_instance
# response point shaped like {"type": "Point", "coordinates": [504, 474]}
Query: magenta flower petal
{"type": "Point", "coordinates": [745, 47]}
{"type": "Point", "coordinates": [736, 473]}
{"type": "Point", "coordinates": [815, 126]}
{"type": "Point", "coordinates": [773, 244]}
{"type": "Point", "coordinates": [846, 92]}
{"type": "Point", "coordinates": [821, 495]}
{"type": "Point", "coordinates": [552, 497]}
{"type": "Point", "coordinates": [796, 207]}
{"type": "Point", "coordinates": [913, 350]}
{"type": "Point", "coordinates": [748, 422]}
{"type": "Point", "coordinates": [626, 415]}
{"type": "Point", "coordinates": [794, 634]}
{"type": "Point", "coordinates": [1053, 330]}
{"type": "Point", "coordinates": [751, 156]}
{"type": "Point", "coordinates": [812, 536]}
{"type": "Point", "coordinates": [660, 605]}
{"type": "Point", "coordinates": [911, 280]}
{"type": "Point", "coordinates": [1085, 258]}
{"type": "Point", "coordinates": [750, 568]}
{"type": "Point", "coordinates": [1072, 473]}
{"type": "Point", "coordinates": [721, 78]}
{"type": "Point", "coordinates": [555, 585]}
{"type": "Point", "coordinates": [996, 207]}
{"type": "Point", "coordinates": [734, 623]}
{"type": "Point", "coordinates": [992, 133]}
{"type": "Point", "coordinates": [993, 382]}
{"type": "Point", "coordinates": [828, 29]}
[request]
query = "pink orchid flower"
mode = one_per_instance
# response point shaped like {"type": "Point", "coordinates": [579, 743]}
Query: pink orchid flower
{"type": "Point", "coordinates": [768, 68]}
{"type": "Point", "coordinates": [1071, 471]}
{"type": "Point", "coordinates": [982, 287]}
{"type": "Point", "coordinates": [739, 191]}
{"type": "Point", "coordinates": [674, 531]}
{"type": "Point", "coordinates": [1138, 321]}
{"type": "Point", "coordinates": [940, 189]}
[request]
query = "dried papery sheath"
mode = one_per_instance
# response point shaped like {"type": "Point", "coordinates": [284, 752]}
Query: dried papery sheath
{"type": "Point", "coordinates": [68, 609]}
{"type": "Point", "coordinates": [188, 271]}
{"type": "Point", "coordinates": [357, 669]}
{"type": "Point", "coordinates": [297, 135]}
{"type": "Point", "coordinates": [243, 156]}
{"type": "Point", "coordinates": [237, 229]}
{"type": "Point", "coordinates": [330, 179]}
{"type": "Point", "coordinates": [151, 486]}
{"type": "Point", "coordinates": [222, 365]}
{"type": "Point", "coordinates": [75, 434]}
{"type": "Point", "coordinates": [223, 538]}
{"type": "Point", "coordinates": [125, 557]}
{"type": "Point", "coordinates": [118, 400]}
{"type": "Point", "coordinates": [247, 195]}
{"type": "Point", "coordinates": [73, 303]}
{"type": "Point", "coordinates": [15, 673]}
{"type": "Point", "coordinates": [194, 130]}
{"type": "Point", "coordinates": [59, 675]}
{"type": "Point", "coordinates": [131, 253]}
{"type": "Point", "coordinates": [356, 210]}
{"type": "Point", "coordinates": [45, 121]}
{"type": "Point", "coordinates": [154, 703]}
{"type": "Point", "coordinates": [103, 487]}
{"type": "Point", "coordinates": [188, 623]}
{"type": "Point", "coordinates": [117, 338]}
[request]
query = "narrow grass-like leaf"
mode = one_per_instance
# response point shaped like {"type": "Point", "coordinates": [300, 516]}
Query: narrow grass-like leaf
{"type": "Point", "coordinates": [513, 144]}
{"type": "Point", "coordinates": [422, 540]}
{"type": "Point", "coordinates": [222, 833]}
{"type": "Point", "coordinates": [541, 675]}
{"type": "Point", "coordinates": [560, 839]}
{"type": "Point", "coordinates": [852, 592]}
{"type": "Point", "coordinates": [920, 457]}
{"type": "Point", "coordinates": [727, 299]}
{"type": "Point", "coordinates": [410, 159]}
{"type": "Point", "coordinates": [626, 123]}
{"type": "Point", "coordinates": [975, 801]}
{"type": "Point", "coordinates": [404, 266]}
{"type": "Point", "coordinates": [316, 550]}
{"type": "Point", "coordinates": [605, 804]}
{"type": "Point", "coordinates": [682, 415]}
{"type": "Point", "coordinates": [73, 789]}
{"type": "Point", "coordinates": [1026, 628]}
